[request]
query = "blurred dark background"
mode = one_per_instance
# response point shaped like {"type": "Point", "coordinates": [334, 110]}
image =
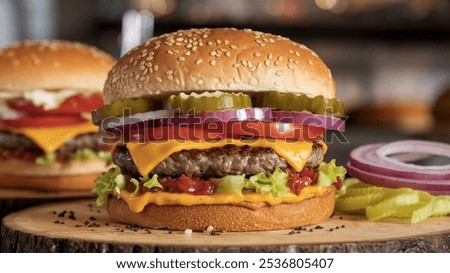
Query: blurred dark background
{"type": "Point", "coordinates": [390, 58]}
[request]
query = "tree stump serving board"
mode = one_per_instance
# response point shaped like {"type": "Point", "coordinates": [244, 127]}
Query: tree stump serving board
{"type": "Point", "coordinates": [79, 226]}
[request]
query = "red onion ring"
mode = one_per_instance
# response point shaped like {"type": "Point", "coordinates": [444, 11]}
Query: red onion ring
{"type": "Point", "coordinates": [322, 121]}
{"type": "Point", "coordinates": [371, 164]}
{"type": "Point", "coordinates": [436, 187]}
{"type": "Point", "coordinates": [244, 114]}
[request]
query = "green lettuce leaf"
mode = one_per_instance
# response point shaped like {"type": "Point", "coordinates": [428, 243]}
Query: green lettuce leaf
{"type": "Point", "coordinates": [329, 172]}
{"type": "Point", "coordinates": [231, 184]}
{"type": "Point", "coordinates": [111, 182]}
{"type": "Point", "coordinates": [276, 183]}
{"type": "Point", "coordinates": [151, 182]}
{"type": "Point", "coordinates": [86, 154]}
{"type": "Point", "coordinates": [79, 155]}
{"type": "Point", "coordinates": [45, 159]}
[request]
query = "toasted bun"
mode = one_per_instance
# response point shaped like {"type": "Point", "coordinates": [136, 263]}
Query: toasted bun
{"type": "Point", "coordinates": [52, 65]}
{"type": "Point", "coordinates": [226, 217]}
{"type": "Point", "coordinates": [223, 59]}
{"type": "Point", "coordinates": [76, 175]}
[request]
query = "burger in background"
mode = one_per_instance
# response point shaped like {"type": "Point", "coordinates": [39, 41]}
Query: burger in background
{"type": "Point", "coordinates": [222, 128]}
{"type": "Point", "coordinates": [47, 90]}
{"type": "Point", "coordinates": [441, 115]}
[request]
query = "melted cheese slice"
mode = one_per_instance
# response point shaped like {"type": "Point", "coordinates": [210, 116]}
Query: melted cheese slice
{"type": "Point", "coordinates": [148, 155]}
{"type": "Point", "coordinates": [138, 203]}
{"type": "Point", "coordinates": [50, 139]}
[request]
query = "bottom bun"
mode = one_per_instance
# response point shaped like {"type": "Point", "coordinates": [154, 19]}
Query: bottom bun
{"type": "Point", "coordinates": [226, 217]}
{"type": "Point", "coordinates": [50, 183]}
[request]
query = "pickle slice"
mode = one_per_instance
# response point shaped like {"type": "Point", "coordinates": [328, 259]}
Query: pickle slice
{"type": "Point", "coordinates": [124, 108]}
{"type": "Point", "coordinates": [207, 102]}
{"type": "Point", "coordinates": [354, 203]}
{"type": "Point", "coordinates": [388, 206]}
{"type": "Point", "coordinates": [294, 102]}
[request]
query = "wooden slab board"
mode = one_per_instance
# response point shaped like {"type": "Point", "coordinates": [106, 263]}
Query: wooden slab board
{"type": "Point", "coordinates": [39, 229]}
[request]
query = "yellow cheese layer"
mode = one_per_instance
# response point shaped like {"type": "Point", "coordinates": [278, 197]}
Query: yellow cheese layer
{"type": "Point", "coordinates": [147, 155]}
{"type": "Point", "coordinates": [50, 139]}
{"type": "Point", "coordinates": [138, 203]}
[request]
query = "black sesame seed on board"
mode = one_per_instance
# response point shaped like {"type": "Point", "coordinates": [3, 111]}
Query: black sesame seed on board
{"type": "Point", "coordinates": [215, 233]}
{"type": "Point", "coordinates": [340, 217]}
{"type": "Point", "coordinates": [106, 224]}
{"type": "Point", "coordinates": [318, 227]}
{"type": "Point", "coordinates": [331, 229]}
{"type": "Point", "coordinates": [92, 218]}
{"type": "Point", "coordinates": [311, 230]}
{"type": "Point", "coordinates": [77, 226]}
{"type": "Point", "coordinates": [170, 232]}
{"type": "Point", "coordinates": [56, 222]}
{"type": "Point", "coordinates": [343, 226]}
{"type": "Point", "coordinates": [62, 213]}
{"type": "Point", "coordinates": [53, 212]}
{"type": "Point", "coordinates": [72, 217]}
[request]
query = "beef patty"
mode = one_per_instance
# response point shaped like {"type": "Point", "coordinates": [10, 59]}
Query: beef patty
{"type": "Point", "coordinates": [216, 162]}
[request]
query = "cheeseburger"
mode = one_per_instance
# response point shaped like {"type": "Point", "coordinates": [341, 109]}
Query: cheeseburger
{"type": "Point", "coordinates": [47, 91]}
{"type": "Point", "coordinates": [221, 128]}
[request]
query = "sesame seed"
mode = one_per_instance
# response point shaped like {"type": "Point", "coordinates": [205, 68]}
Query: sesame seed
{"type": "Point", "coordinates": [177, 82]}
{"type": "Point", "coordinates": [170, 77]}
{"type": "Point", "coordinates": [290, 60]}
{"type": "Point", "coordinates": [170, 52]}
{"type": "Point", "coordinates": [244, 63]}
{"type": "Point", "coordinates": [156, 67]}
{"type": "Point", "coordinates": [291, 51]}
{"type": "Point", "coordinates": [169, 72]}
{"type": "Point", "coordinates": [189, 46]}
{"type": "Point", "coordinates": [266, 62]}
{"type": "Point", "coordinates": [257, 54]}
{"type": "Point", "coordinates": [199, 61]}
{"type": "Point", "coordinates": [149, 58]}
{"type": "Point", "coordinates": [226, 42]}
{"type": "Point", "coordinates": [297, 54]}
{"type": "Point", "coordinates": [296, 62]}
{"type": "Point", "coordinates": [218, 41]}
{"type": "Point", "coordinates": [280, 58]}
{"type": "Point", "coordinates": [210, 43]}
{"type": "Point", "coordinates": [277, 83]}
{"type": "Point", "coordinates": [269, 56]}
{"type": "Point", "coordinates": [179, 39]}
{"type": "Point", "coordinates": [194, 48]}
{"type": "Point", "coordinates": [311, 63]}
{"type": "Point", "coordinates": [250, 65]}
{"type": "Point", "coordinates": [141, 79]}
{"type": "Point", "coordinates": [279, 73]}
{"type": "Point", "coordinates": [212, 62]}
{"type": "Point", "coordinates": [200, 82]}
{"type": "Point", "coordinates": [142, 68]}
{"type": "Point", "coordinates": [228, 53]}
{"type": "Point", "coordinates": [259, 65]}
{"type": "Point", "coordinates": [178, 44]}
{"type": "Point", "coordinates": [213, 53]}
{"type": "Point", "coordinates": [262, 44]}
{"type": "Point", "coordinates": [233, 47]}
{"type": "Point", "coordinates": [187, 53]}
{"type": "Point", "coordinates": [158, 79]}
{"type": "Point", "coordinates": [276, 62]}
{"type": "Point", "coordinates": [205, 36]}
{"type": "Point", "coordinates": [290, 66]}
{"type": "Point", "coordinates": [236, 65]}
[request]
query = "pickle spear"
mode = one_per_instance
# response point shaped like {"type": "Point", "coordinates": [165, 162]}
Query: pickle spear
{"type": "Point", "coordinates": [207, 102]}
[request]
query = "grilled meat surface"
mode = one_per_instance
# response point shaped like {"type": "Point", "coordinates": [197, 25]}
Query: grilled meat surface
{"type": "Point", "coordinates": [215, 162]}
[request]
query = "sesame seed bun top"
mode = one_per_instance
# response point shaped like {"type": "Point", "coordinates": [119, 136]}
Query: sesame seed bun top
{"type": "Point", "coordinates": [223, 59]}
{"type": "Point", "coordinates": [52, 65]}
